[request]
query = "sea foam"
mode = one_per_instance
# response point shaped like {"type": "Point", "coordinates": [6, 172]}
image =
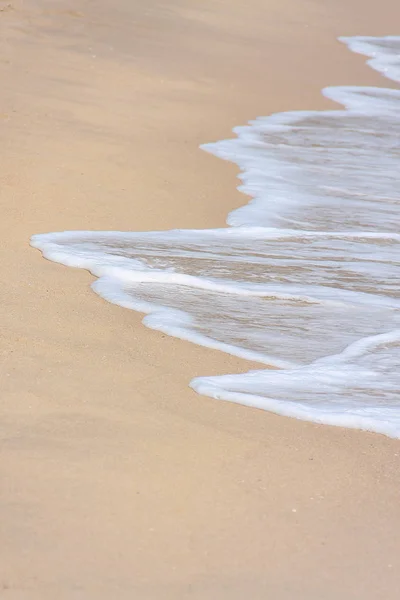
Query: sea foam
{"type": "Point", "coordinates": [305, 280]}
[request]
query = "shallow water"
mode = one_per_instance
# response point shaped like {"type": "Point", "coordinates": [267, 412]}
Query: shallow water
{"type": "Point", "coordinates": [306, 279]}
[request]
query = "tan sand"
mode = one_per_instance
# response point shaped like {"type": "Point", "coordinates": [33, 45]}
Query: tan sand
{"type": "Point", "coordinates": [117, 481]}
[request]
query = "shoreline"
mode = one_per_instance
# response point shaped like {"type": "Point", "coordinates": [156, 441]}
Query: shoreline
{"type": "Point", "coordinates": [122, 261]}
{"type": "Point", "coordinates": [101, 429]}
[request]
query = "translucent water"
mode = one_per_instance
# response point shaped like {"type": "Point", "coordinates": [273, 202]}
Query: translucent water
{"type": "Point", "coordinates": [306, 279]}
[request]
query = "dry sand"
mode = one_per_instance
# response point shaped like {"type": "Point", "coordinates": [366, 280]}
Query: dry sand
{"type": "Point", "coordinates": [117, 481]}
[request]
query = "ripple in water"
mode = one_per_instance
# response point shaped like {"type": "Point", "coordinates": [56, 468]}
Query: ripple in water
{"type": "Point", "coordinates": [307, 277]}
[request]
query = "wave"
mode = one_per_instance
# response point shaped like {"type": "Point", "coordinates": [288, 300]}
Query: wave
{"type": "Point", "coordinates": [306, 278]}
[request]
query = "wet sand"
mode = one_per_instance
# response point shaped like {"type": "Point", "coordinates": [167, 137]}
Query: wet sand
{"type": "Point", "coordinates": [117, 481]}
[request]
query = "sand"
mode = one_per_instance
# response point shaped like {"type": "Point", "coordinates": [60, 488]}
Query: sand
{"type": "Point", "coordinates": [117, 481]}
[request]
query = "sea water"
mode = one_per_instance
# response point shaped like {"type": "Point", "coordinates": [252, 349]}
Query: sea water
{"type": "Point", "coordinates": [305, 280]}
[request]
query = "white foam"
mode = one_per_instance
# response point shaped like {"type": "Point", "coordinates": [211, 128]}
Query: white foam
{"type": "Point", "coordinates": [357, 388]}
{"type": "Point", "coordinates": [307, 280]}
{"type": "Point", "coordinates": [384, 53]}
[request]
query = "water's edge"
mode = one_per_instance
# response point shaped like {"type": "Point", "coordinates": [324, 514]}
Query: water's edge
{"type": "Point", "coordinates": [305, 280]}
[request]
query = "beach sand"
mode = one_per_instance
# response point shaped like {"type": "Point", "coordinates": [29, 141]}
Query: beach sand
{"type": "Point", "coordinates": [118, 481]}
